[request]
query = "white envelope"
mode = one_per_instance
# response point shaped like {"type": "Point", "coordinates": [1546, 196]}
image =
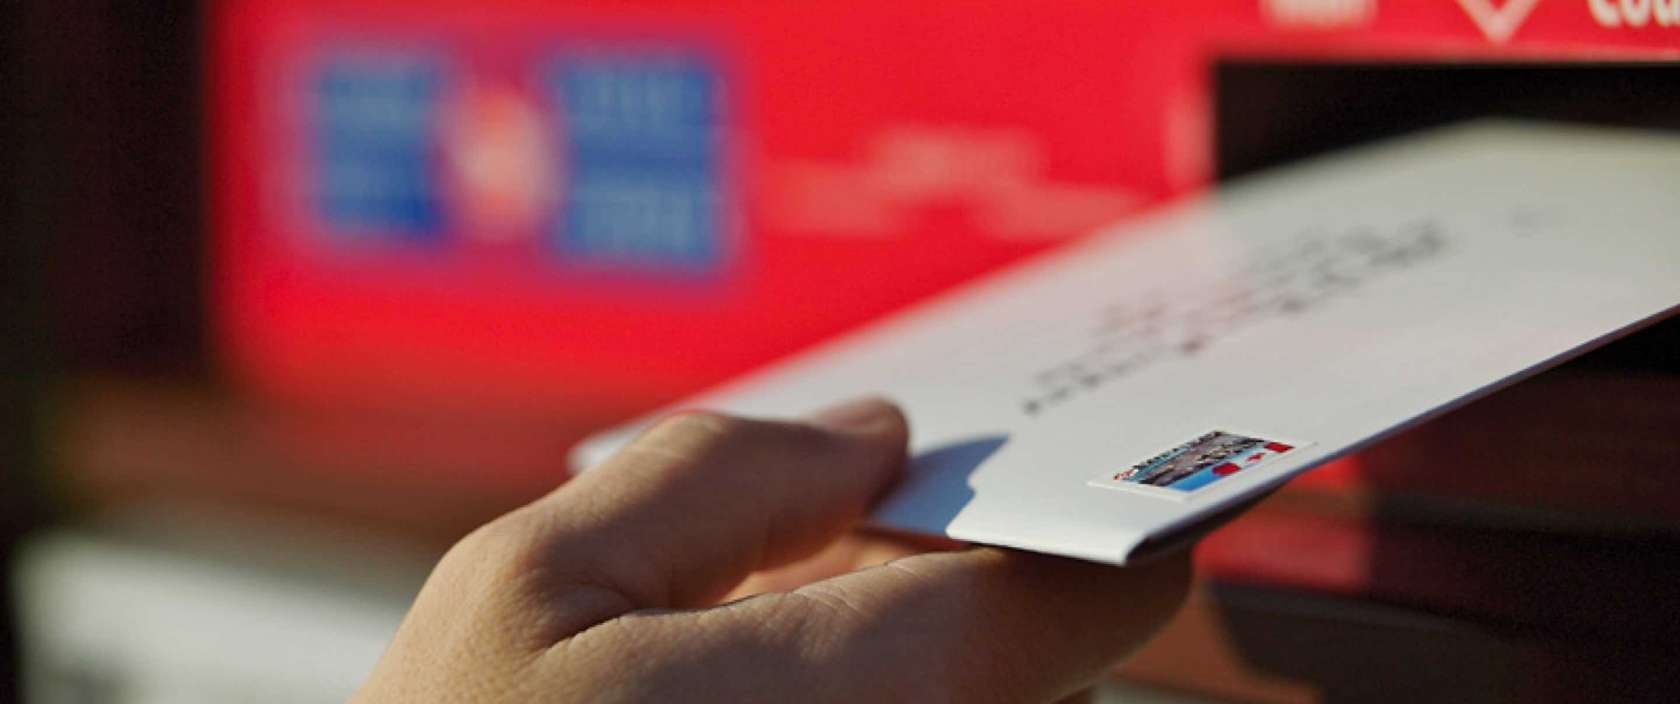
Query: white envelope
{"type": "Point", "coordinates": [1114, 396]}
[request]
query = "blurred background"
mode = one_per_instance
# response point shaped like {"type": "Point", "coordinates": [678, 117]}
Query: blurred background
{"type": "Point", "coordinates": [299, 292]}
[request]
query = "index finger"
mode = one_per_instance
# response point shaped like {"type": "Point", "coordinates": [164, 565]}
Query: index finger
{"type": "Point", "coordinates": [696, 503]}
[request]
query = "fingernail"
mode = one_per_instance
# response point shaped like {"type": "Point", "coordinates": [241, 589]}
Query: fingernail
{"type": "Point", "coordinates": [856, 414]}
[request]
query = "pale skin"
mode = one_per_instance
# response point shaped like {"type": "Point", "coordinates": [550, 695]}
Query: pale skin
{"type": "Point", "coordinates": [715, 559]}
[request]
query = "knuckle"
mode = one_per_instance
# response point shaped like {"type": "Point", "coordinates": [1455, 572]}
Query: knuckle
{"type": "Point", "coordinates": [699, 430]}
{"type": "Point", "coordinates": [493, 547]}
{"type": "Point", "coordinates": [700, 434]}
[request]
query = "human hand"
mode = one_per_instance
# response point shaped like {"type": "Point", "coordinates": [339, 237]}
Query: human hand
{"type": "Point", "coordinates": [608, 589]}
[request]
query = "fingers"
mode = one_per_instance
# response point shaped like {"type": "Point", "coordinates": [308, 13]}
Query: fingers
{"type": "Point", "coordinates": [696, 503]}
{"type": "Point", "coordinates": [978, 625]}
{"type": "Point", "coordinates": [997, 625]}
{"type": "Point", "coordinates": [852, 551]}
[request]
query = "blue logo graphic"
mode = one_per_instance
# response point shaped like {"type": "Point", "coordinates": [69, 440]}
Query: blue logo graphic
{"type": "Point", "coordinates": [375, 155]}
{"type": "Point", "coordinates": [641, 135]}
{"type": "Point", "coordinates": [629, 143]}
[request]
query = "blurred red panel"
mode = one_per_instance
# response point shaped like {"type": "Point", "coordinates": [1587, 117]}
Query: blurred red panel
{"type": "Point", "coordinates": [604, 206]}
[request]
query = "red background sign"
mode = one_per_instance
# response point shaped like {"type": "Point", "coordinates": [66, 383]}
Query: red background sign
{"type": "Point", "coordinates": [847, 159]}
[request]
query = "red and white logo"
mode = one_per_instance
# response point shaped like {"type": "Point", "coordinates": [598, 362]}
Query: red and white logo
{"type": "Point", "coordinates": [1498, 21]}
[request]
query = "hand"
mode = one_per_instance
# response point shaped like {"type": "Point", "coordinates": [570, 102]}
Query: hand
{"type": "Point", "coordinates": [608, 588]}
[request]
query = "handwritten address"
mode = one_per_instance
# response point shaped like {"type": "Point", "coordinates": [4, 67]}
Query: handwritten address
{"type": "Point", "coordinates": [1311, 270]}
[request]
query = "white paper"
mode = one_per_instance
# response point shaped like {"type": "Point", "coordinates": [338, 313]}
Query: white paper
{"type": "Point", "coordinates": [1319, 307]}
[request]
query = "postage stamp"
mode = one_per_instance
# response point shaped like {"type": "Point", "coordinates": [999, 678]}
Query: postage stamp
{"type": "Point", "coordinates": [1197, 463]}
